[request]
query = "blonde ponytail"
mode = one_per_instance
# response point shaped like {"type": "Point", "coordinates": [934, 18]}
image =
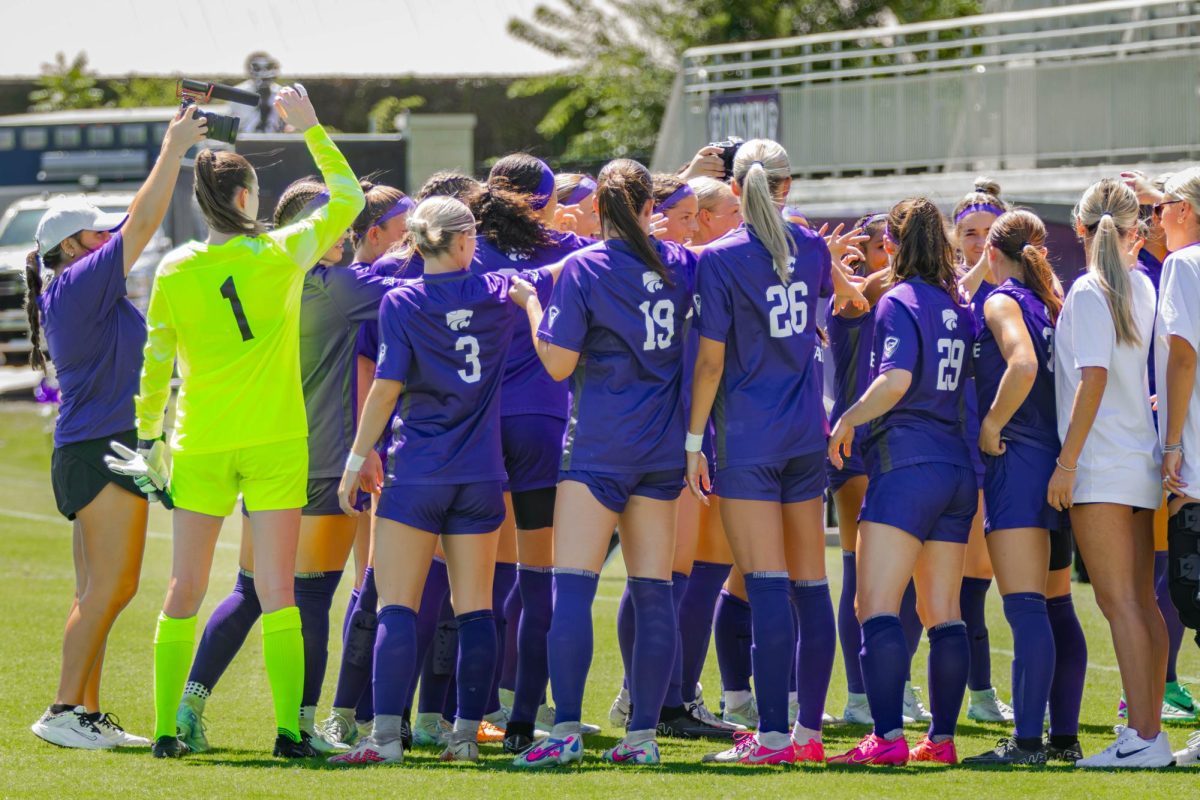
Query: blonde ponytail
{"type": "Point", "coordinates": [1107, 212]}
{"type": "Point", "coordinates": [761, 169]}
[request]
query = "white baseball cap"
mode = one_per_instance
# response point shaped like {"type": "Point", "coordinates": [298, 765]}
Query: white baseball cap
{"type": "Point", "coordinates": [68, 216]}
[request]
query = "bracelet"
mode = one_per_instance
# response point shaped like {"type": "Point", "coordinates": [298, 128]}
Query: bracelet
{"type": "Point", "coordinates": [693, 443]}
{"type": "Point", "coordinates": [1064, 467]}
{"type": "Point", "coordinates": [354, 462]}
{"type": "Point", "coordinates": [1173, 448]}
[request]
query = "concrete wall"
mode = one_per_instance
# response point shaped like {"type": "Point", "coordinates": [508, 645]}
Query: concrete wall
{"type": "Point", "coordinates": [439, 142]}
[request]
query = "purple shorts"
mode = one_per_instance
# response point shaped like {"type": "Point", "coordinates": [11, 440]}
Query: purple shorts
{"type": "Point", "coordinates": [934, 501]}
{"type": "Point", "coordinates": [613, 489]}
{"type": "Point", "coordinates": [532, 445]}
{"type": "Point", "coordinates": [447, 508]}
{"type": "Point", "coordinates": [1014, 489]}
{"type": "Point", "coordinates": [793, 480]}
{"type": "Point", "coordinates": [852, 467]}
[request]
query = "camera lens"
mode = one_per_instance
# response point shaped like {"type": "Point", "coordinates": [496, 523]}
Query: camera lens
{"type": "Point", "coordinates": [221, 128]}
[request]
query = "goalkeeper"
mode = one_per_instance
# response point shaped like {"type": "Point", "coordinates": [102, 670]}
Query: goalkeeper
{"type": "Point", "coordinates": [228, 309]}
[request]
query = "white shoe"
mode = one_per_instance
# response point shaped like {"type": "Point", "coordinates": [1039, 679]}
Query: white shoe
{"type": "Point", "coordinates": [544, 722]}
{"type": "Point", "coordinates": [985, 706]}
{"type": "Point", "coordinates": [1130, 751]}
{"type": "Point", "coordinates": [498, 718]}
{"type": "Point", "coordinates": [110, 728]}
{"type": "Point", "coordinates": [700, 711]}
{"type": "Point", "coordinates": [367, 752]}
{"type": "Point", "coordinates": [430, 730]}
{"type": "Point", "coordinates": [618, 712]}
{"type": "Point", "coordinates": [1172, 713]}
{"type": "Point", "coordinates": [858, 710]}
{"type": "Point", "coordinates": [71, 728]}
{"type": "Point", "coordinates": [506, 701]}
{"type": "Point", "coordinates": [340, 728]}
{"type": "Point", "coordinates": [317, 740]}
{"type": "Point", "coordinates": [745, 715]}
{"type": "Point", "coordinates": [460, 747]}
{"type": "Point", "coordinates": [914, 710]}
{"type": "Point", "coordinates": [1190, 754]}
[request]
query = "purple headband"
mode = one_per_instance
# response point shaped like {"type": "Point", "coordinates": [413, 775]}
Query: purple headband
{"type": "Point", "coordinates": [539, 198]}
{"type": "Point", "coordinates": [318, 201]}
{"type": "Point", "coordinates": [971, 209]}
{"type": "Point", "coordinates": [586, 186]}
{"type": "Point", "coordinates": [403, 206]}
{"type": "Point", "coordinates": [674, 198]}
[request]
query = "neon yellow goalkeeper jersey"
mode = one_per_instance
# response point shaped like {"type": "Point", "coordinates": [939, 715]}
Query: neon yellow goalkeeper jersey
{"type": "Point", "coordinates": [231, 314]}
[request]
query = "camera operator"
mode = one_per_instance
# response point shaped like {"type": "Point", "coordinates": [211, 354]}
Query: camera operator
{"type": "Point", "coordinates": [262, 70]}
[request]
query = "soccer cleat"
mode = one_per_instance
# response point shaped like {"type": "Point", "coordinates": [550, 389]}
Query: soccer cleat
{"type": "Point", "coordinates": [937, 752]}
{"type": "Point", "coordinates": [316, 738]}
{"type": "Point", "coordinates": [747, 749]}
{"type": "Point", "coordinates": [544, 722]}
{"type": "Point", "coordinates": [811, 752]}
{"type": "Point", "coordinates": [169, 747]}
{"type": "Point", "coordinates": [985, 706]}
{"type": "Point", "coordinates": [516, 742]}
{"type": "Point", "coordinates": [643, 753]}
{"type": "Point", "coordinates": [287, 747]}
{"type": "Point", "coordinates": [340, 728]}
{"type": "Point", "coordinates": [1130, 751]}
{"type": "Point", "coordinates": [190, 726]}
{"type": "Point", "coordinates": [1178, 697]}
{"type": "Point", "coordinates": [71, 728]}
{"type": "Point", "coordinates": [858, 710]}
{"type": "Point", "coordinates": [618, 712]}
{"type": "Point", "coordinates": [685, 726]}
{"type": "Point", "coordinates": [430, 730]}
{"type": "Point", "coordinates": [551, 752]}
{"type": "Point", "coordinates": [872, 749]}
{"type": "Point", "coordinates": [110, 728]}
{"type": "Point", "coordinates": [745, 714]}
{"type": "Point", "coordinates": [699, 711]}
{"type": "Point", "coordinates": [1067, 755]}
{"type": "Point", "coordinates": [506, 701]}
{"type": "Point", "coordinates": [1190, 754]}
{"type": "Point", "coordinates": [914, 710]}
{"type": "Point", "coordinates": [460, 747]}
{"type": "Point", "coordinates": [488, 733]}
{"type": "Point", "coordinates": [368, 751]}
{"type": "Point", "coordinates": [1172, 713]}
{"type": "Point", "coordinates": [1008, 753]}
{"type": "Point", "coordinates": [1122, 708]}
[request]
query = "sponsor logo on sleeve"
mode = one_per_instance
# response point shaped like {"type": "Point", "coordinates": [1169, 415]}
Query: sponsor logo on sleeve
{"type": "Point", "coordinates": [652, 281]}
{"type": "Point", "coordinates": [382, 352]}
{"type": "Point", "coordinates": [459, 320]}
{"type": "Point", "coordinates": [889, 346]}
{"type": "Point", "coordinates": [551, 314]}
{"type": "Point", "coordinates": [696, 303]}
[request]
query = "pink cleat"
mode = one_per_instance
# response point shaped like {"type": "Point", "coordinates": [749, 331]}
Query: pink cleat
{"type": "Point", "coordinates": [811, 752]}
{"type": "Point", "coordinates": [874, 749]}
{"type": "Point", "coordinates": [748, 750]}
{"type": "Point", "coordinates": [938, 752]}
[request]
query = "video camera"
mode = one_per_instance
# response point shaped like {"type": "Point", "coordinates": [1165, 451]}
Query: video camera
{"type": "Point", "coordinates": [221, 127]}
{"type": "Point", "coordinates": [729, 148]}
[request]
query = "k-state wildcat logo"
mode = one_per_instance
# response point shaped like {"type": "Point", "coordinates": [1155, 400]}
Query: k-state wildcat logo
{"type": "Point", "coordinates": [459, 320]}
{"type": "Point", "coordinates": [551, 314]}
{"type": "Point", "coordinates": [949, 318]}
{"type": "Point", "coordinates": [382, 351]}
{"type": "Point", "coordinates": [696, 302]}
{"type": "Point", "coordinates": [889, 346]}
{"type": "Point", "coordinates": [652, 281]}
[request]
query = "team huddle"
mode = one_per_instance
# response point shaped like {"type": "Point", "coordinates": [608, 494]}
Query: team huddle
{"type": "Point", "coordinates": [512, 370]}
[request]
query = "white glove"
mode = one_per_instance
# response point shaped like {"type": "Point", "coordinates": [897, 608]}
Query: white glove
{"type": "Point", "coordinates": [147, 466]}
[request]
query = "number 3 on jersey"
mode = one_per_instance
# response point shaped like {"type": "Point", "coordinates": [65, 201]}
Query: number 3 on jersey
{"type": "Point", "coordinates": [789, 311]}
{"type": "Point", "coordinates": [473, 371]}
{"type": "Point", "coordinates": [229, 292]}
{"type": "Point", "coordinates": [950, 365]}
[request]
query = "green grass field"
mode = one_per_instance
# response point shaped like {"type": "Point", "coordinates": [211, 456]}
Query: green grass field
{"type": "Point", "coordinates": [35, 594]}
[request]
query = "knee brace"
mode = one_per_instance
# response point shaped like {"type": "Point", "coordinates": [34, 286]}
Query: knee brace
{"type": "Point", "coordinates": [360, 638]}
{"type": "Point", "coordinates": [1183, 552]}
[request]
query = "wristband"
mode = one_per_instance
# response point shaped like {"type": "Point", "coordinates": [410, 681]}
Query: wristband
{"type": "Point", "coordinates": [693, 443]}
{"type": "Point", "coordinates": [354, 462]}
{"type": "Point", "coordinates": [1064, 467]}
{"type": "Point", "coordinates": [1173, 448]}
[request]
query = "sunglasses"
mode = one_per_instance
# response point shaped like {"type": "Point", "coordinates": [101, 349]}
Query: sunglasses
{"type": "Point", "coordinates": [1158, 207]}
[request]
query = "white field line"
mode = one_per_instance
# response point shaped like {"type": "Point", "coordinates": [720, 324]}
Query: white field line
{"type": "Point", "coordinates": [54, 520]}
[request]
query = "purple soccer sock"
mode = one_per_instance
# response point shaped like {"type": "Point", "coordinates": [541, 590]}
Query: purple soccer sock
{"type": "Point", "coordinates": [225, 632]}
{"type": "Point", "coordinates": [815, 649]}
{"type": "Point", "coordinates": [695, 624]}
{"type": "Point", "coordinates": [503, 581]}
{"type": "Point", "coordinates": [674, 695]}
{"type": "Point", "coordinates": [314, 597]}
{"type": "Point", "coordinates": [569, 641]}
{"type": "Point", "coordinates": [911, 622]}
{"type": "Point", "coordinates": [1170, 614]}
{"type": "Point", "coordinates": [883, 656]}
{"type": "Point", "coordinates": [625, 633]}
{"type": "Point", "coordinates": [395, 658]}
{"type": "Point", "coordinates": [1033, 660]}
{"type": "Point", "coordinates": [971, 602]}
{"type": "Point", "coordinates": [949, 662]}
{"type": "Point", "coordinates": [358, 648]}
{"type": "Point", "coordinates": [849, 631]}
{"type": "Point", "coordinates": [732, 635]}
{"type": "Point", "coordinates": [654, 645]}
{"type": "Point", "coordinates": [795, 654]}
{"type": "Point", "coordinates": [349, 612]}
{"type": "Point", "coordinates": [433, 597]}
{"type": "Point", "coordinates": [477, 657]}
{"type": "Point", "coordinates": [774, 648]}
{"type": "Point", "coordinates": [537, 596]}
{"type": "Point", "coordinates": [1070, 666]}
{"type": "Point", "coordinates": [512, 623]}
{"type": "Point", "coordinates": [437, 671]}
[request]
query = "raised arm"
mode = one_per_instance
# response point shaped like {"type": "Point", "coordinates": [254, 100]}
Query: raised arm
{"type": "Point", "coordinates": [157, 365]}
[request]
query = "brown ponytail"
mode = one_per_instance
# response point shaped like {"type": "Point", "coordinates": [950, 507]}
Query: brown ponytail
{"type": "Point", "coordinates": [33, 289]}
{"type": "Point", "coordinates": [922, 248]}
{"type": "Point", "coordinates": [623, 189]}
{"type": "Point", "coordinates": [506, 219]}
{"type": "Point", "coordinates": [380, 199]}
{"type": "Point", "coordinates": [218, 177]}
{"type": "Point", "coordinates": [1020, 235]}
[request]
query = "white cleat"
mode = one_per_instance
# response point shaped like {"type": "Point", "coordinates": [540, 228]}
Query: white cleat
{"type": "Point", "coordinates": [460, 747]}
{"type": "Point", "coordinates": [1130, 751]}
{"type": "Point", "coordinates": [368, 752]}
{"type": "Point", "coordinates": [316, 738]}
{"type": "Point", "coordinates": [745, 715]}
{"type": "Point", "coordinates": [340, 728]}
{"type": "Point", "coordinates": [430, 730]}
{"type": "Point", "coordinates": [71, 728]}
{"type": "Point", "coordinates": [700, 711]}
{"type": "Point", "coordinates": [914, 710]}
{"type": "Point", "coordinates": [618, 712]}
{"type": "Point", "coordinates": [110, 727]}
{"type": "Point", "coordinates": [858, 710]}
{"type": "Point", "coordinates": [1190, 754]}
{"type": "Point", "coordinates": [985, 706]}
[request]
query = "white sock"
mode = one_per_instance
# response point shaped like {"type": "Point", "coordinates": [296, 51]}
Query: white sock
{"type": "Point", "coordinates": [803, 735]}
{"type": "Point", "coordinates": [634, 738]}
{"type": "Point", "coordinates": [465, 727]}
{"type": "Point", "coordinates": [738, 698]}
{"type": "Point", "coordinates": [564, 729]}
{"type": "Point", "coordinates": [792, 698]}
{"type": "Point", "coordinates": [774, 740]}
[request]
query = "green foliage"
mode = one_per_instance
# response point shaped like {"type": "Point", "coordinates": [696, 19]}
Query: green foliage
{"type": "Point", "coordinates": [382, 116]}
{"type": "Point", "coordinates": [66, 86]}
{"type": "Point", "coordinates": [135, 92]}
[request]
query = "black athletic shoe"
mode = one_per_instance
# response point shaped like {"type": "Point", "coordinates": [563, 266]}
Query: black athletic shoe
{"type": "Point", "coordinates": [406, 734]}
{"type": "Point", "coordinates": [1008, 753]}
{"type": "Point", "coordinates": [1069, 754]}
{"type": "Point", "coordinates": [685, 726]}
{"type": "Point", "coordinates": [169, 747]}
{"type": "Point", "coordinates": [286, 747]}
{"type": "Point", "coordinates": [516, 743]}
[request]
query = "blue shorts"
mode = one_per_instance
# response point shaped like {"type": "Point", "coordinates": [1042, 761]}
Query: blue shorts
{"type": "Point", "coordinates": [933, 501]}
{"type": "Point", "coordinates": [447, 508]}
{"type": "Point", "coordinates": [792, 480]}
{"type": "Point", "coordinates": [613, 489]}
{"type": "Point", "coordinates": [533, 445]}
{"type": "Point", "coordinates": [852, 467]}
{"type": "Point", "coordinates": [1014, 489]}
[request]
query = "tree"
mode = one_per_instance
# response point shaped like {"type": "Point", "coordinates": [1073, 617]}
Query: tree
{"type": "Point", "coordinates": [135, 92]}
{"type": "Point", "coordinates": [625, 54]}
{"type": "Point", "coordinates": [64, 86]}
{"type": "Point", "coordinates": [382, 116]}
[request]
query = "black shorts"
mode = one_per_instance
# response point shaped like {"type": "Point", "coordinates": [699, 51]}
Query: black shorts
{"type": "Point", "coordinates": [1062, 543]}
{"type": "Point", "coordinates": [78, 472]}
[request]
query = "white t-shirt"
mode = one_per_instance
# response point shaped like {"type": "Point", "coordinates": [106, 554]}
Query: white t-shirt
{"type": "Point", "coordinates": [1179, 315]}
{"type": "Point", "coordinates": [1120, 459]}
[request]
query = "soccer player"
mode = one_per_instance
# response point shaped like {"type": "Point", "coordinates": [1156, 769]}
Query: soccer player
{"type": "Point", "coordinates": [576, 211]}
{"type": "Point", "coordinates": [1107, 472]}
{"type": "Point", "coordinates": [921, 492]}
{"type": "Point", "coordinates": [94, 336]}
{"type": "Point", "coordinates": [1018, 436]}
{"type": "Point", "coordinates": [229, 309]}
{"type": "Point", "coordinates": [335, 302]}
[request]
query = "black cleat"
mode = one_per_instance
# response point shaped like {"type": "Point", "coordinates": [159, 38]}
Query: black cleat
{"type": "Point", "coordinates": [1069, 754]}
{"type": "Point", "coordinates": [1007, 753]}
{"type": "Point", "coordinates": [406, 733]}
{"type": "Point", "coordinates": [516, 743]}
{"type": "Point", "coordinates": [685, 726]}
{"type": "Point", "coordinates": [286, 747]}
{"type": "Point", "coordinates": [169, 747]}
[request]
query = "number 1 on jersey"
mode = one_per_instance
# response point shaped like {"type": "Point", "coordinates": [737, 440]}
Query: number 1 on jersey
{"type": "Point", "coordinates": [229, 292]}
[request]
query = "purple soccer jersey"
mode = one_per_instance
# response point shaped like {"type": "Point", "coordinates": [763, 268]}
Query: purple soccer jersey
{"type": "Point", "coordinates": [446, 337]}
{"type": "Point", "coordinates": [768, 405]}
{"type": "Point", "coordinates": [394, 270]}
{"type": "Point", "coordinates": [1036, 421]}
{"type": "Point", "coordinates": [528, 389]}
{"type": "Point", "coordinates": [628, 324]}
{"type": "Point", "coordinates": [919, 328]}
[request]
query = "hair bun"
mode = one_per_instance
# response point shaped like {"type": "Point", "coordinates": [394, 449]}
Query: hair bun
{"type": "Point", "coordinates": [988, 186]}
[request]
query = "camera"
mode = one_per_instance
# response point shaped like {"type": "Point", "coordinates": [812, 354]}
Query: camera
{"type": "Point", "coordinates": [729, 148]}
{"type": "Point", "coordinates": [221, 127]}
